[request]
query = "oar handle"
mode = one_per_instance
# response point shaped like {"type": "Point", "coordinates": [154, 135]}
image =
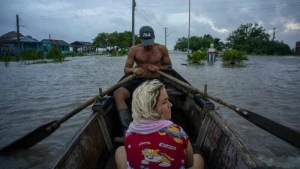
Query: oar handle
{"type": "Point", "coordinates": [89, 102]}
{"type": "Point", "coordinates": [233, 107]}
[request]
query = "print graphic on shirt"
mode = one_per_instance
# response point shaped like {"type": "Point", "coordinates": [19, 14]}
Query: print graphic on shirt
{"type": "Point", "coordinates": [156, 156]}
{"type": "Point", "coordinates": [143, 167]}
{"type": "Point", "coordinates": [175, 132]}
{"type": "Point", "coordinates": [168, 146]}
{"type": "Point", "coordinates": [144, 143]}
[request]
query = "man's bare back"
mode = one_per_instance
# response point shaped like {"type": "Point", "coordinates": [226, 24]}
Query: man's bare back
{"type": "Point", "coordinates": [148, 59]}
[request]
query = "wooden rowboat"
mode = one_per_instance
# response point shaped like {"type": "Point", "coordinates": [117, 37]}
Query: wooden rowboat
{"type": "Point", "coordinates": [94, 146]}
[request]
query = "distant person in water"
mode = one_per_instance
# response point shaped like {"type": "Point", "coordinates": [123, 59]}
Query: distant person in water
{"type": "Point", "coordinates": [148, 57]}
{"type": "Point", "coordinates": [152, 140]}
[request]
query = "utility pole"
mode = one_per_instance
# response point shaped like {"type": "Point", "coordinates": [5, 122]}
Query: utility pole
{"type": "Point", "coordinates": [188, 50]}
{"type": "Point", "coordinates": [133, 34]}
{"type": "Point", "coordinates": [273, 34]}
{"type": "Point", "coordinates": [166, 37]}
{"type": "Point", "coordinates": [18, 34]}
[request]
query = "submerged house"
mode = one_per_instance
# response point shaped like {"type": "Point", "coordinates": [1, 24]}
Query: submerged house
{"type": "Point", "coordinates": [9, 43]}
{"type": "Point", "coordinates": [84, 47]}
{"type": "Point", "coordinates": [47, 44]}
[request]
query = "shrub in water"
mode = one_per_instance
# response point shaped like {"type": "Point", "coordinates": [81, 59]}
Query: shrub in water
{"type": "Point", "coordinates": [55, 54]}
{"type": "Point", "coordinates": [122, 52]}
{"type": "Point", "coordinates": [233, 56]}
{"type": "Point", "coordinates": [29, 54]}
{"type": "Point", "coordinates": [40, 54]}
{"type": "Point", "coordinates": [197, 56]}
{"type": "Point", "coordinates": [6, 58]}
{"type": "Point", "coordinates": [114, 52]}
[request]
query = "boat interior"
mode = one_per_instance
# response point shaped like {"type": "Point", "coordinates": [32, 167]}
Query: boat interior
{"type": "Point", "coordinates": [95, 144]}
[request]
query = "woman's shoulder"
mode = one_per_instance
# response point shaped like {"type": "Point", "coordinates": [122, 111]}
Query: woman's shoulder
{"type": "Point", "coordinates": [174, 125]}
{"type": "Point", "coordinates": [174, 128]}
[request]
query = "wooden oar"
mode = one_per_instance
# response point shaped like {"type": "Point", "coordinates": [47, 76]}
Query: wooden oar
{"type": "Point", "coordinates": [279, 130]}
{"type": "Point", "coordinates": [47, 129]}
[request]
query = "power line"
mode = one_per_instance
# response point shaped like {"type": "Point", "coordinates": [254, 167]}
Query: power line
{"type": "Point", "coordinates": [121, 3]}
{"type": "Point", "coordinates": [152, 13]}
{"type": "Point", "coordinates": [26, 27]}
{"type": "Point", "coordinates": [142, 14]}
{"type": "Point", "coordinates": [217, 2]}
{"type": "Point", "coordinates": [73, 16]}
{"type": "Point", "coordinates": [228, 9]}
{"type": "Point", "coordinates": [124, 2]}
{"type": "Point", "coordinates": [105, 12]}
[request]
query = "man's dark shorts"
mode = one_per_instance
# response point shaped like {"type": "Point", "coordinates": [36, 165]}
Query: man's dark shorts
{"type": "Point", "coordinates": [133, 84]}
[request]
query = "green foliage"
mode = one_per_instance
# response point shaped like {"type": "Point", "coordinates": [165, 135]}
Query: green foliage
{"type": "Point", "coordinates": [114, 52]}
{"type": "Point", "coordinates": [198, 43]}
{"type": "Point", "coordinates": [29, 54]}
{"type": "Point", "coordinates": [137, 40]}
{"type": "Point", "coordinates": [40, 54]}
{"type": "Point", "coordinates": [233, 56]}
{"type": "Point", "coordinates": [17, 57]}
{"type": "Point", "coordinates": [122, 52]}
{"type": "Point", "coordinates": [73, 54]}
{"type": "Point", "coordinates": [278, 48]}
{"type": "Point", "coordinates": [252, 39]}
{"type": "Point", "coordinates": [68, 54]}
{"type": "Point", "coordinates": [55, 54]}
{"type": "Point", "coordinates": [181, 44]}
{"type": "Point", "coordinates": [6, 58]}
{"type": "Point", "coordinates": [101, 40]}
{"type": "Point", "coordinates": [115, 40]}
{"type": "Point", "coordinates": [249, 38]}
{"type": "Point", "coordinates": [197, 56]}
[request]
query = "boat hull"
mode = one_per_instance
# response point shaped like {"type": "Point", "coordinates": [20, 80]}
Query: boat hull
{"type": "Point", "coordinates": [93, 146]}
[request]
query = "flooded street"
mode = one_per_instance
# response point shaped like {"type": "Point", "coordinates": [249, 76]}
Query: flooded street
{"type": "Point", "coordinates": [34, 94]}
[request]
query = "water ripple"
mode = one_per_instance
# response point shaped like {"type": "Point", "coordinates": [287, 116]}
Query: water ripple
{"type": "Point", "coordinates": [32, 95]}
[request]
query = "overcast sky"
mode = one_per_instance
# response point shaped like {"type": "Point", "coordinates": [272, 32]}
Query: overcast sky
{"type": "Point", "coordinates": [78, 20]}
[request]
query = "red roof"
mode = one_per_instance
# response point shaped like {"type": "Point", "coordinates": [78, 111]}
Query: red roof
{"type": "Point", "coordinates": [298, 44]}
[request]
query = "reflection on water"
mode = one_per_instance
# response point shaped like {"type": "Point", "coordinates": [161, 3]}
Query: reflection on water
{"type": "Point", "coordinates": [32, 95]}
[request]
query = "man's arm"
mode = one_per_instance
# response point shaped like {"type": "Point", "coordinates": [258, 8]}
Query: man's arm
{"type": "Point", "coordinates": [129, 62]}
{"type": "Point", "coordinates": [166, 60]}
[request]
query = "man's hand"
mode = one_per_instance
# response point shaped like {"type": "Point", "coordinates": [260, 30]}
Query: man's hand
{"type": "Point", "coordinates": [153, 68]}
{"type": "Point", "coordinates": [138, 71]}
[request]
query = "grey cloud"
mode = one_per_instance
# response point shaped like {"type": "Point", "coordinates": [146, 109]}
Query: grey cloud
{"type": "Point", "coordinates": [72, 20]}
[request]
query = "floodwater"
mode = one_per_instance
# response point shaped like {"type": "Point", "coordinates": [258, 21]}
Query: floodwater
{"type": "Point", "coordinates": [34, 94]}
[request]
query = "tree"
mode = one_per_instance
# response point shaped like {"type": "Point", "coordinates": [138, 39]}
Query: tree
{"type": "Point", "coordinates": [113, 40]}
{"type": "Point", "coordinates": [196, 43]}
{"type": "Point", "coordinates": [181, 44]}
{"type": "Point", "coordinates": [124, 40]}
{"type": "Point", "coordinates": [101, 40]}
{"type": "Point", "coordinates": [252, 39]}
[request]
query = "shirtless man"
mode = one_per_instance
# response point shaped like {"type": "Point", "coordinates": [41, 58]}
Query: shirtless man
{"type": "Point", "coordinates": [149, 57]}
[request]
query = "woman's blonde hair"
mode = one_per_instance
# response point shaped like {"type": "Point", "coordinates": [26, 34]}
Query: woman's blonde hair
{"type": "Point", "coordinates": [144, 99]}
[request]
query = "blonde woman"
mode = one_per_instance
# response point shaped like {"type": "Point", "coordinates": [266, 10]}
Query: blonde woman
{"type": "Point", "coordinates": [152, 140]}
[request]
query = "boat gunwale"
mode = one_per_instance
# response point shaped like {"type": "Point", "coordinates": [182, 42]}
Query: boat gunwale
{"type": "Point", "coordinates": [223, 125]}
{"type": "Point", "coordinates": [64, 153]}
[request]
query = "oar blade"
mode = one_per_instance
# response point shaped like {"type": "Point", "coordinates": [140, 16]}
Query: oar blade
{"type": "Point", "coordinates": [289, 135]}
{"type": "Point", "coordinates": [32, 138]}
